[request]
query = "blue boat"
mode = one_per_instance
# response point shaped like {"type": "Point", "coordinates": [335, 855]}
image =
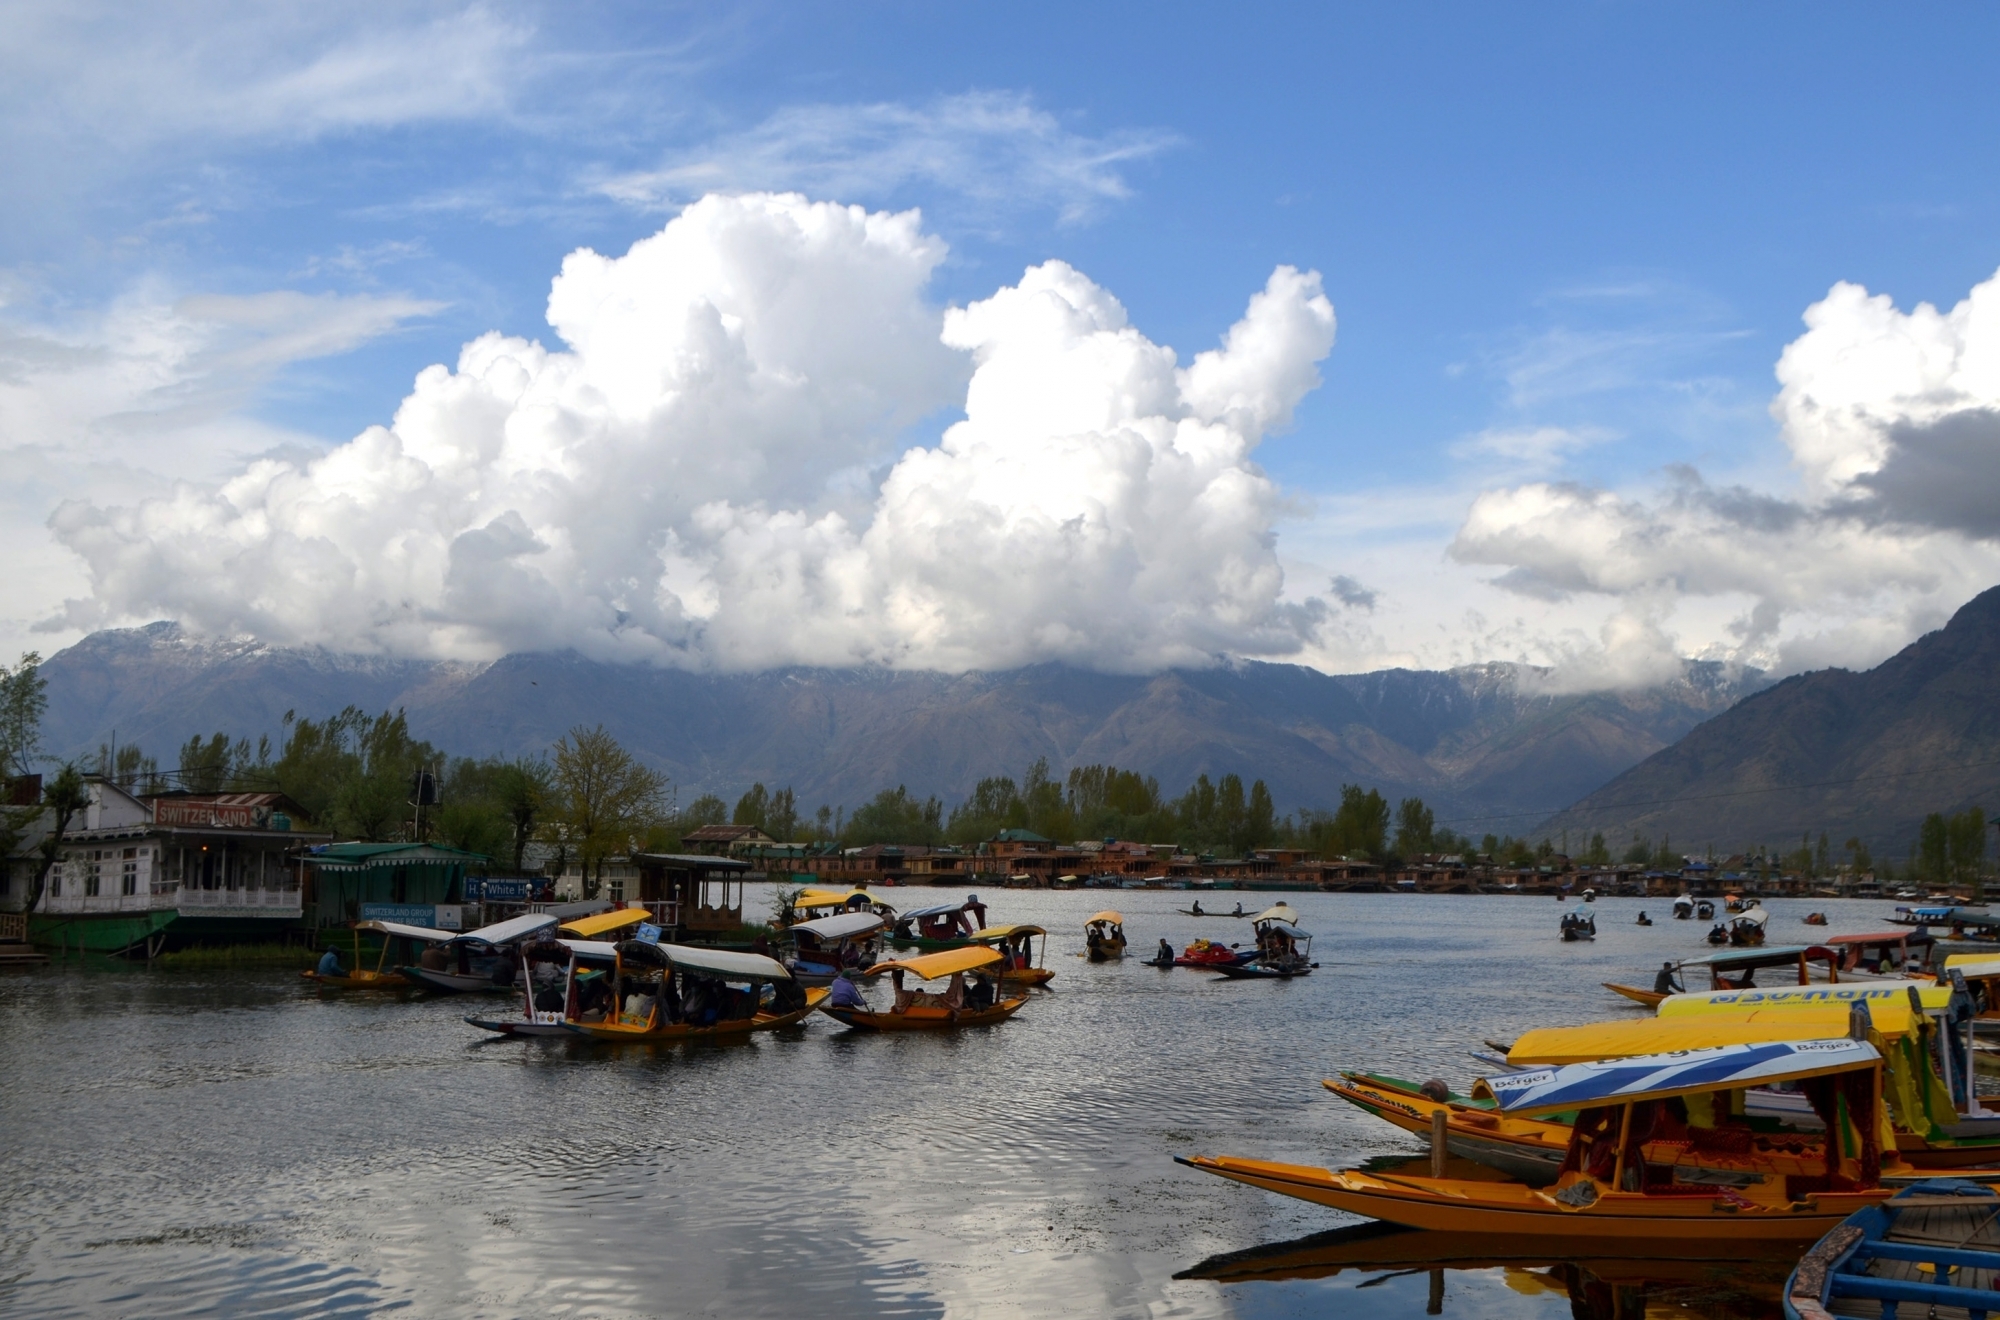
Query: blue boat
{"type": "Point", "coordinates": [1930, 1253]}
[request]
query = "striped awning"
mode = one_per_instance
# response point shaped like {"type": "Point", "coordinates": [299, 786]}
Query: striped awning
{"type": "Point", "coordinates": [1658, 1076]}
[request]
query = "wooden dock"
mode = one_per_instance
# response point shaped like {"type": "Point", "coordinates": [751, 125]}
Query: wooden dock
{"type": "Point", "coordinates": [15, 951]}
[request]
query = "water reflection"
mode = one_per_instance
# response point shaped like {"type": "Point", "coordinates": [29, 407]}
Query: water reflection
{"type": "Point", "coordinates": [230, 1140]}
{"type": "Point", "coordinates": [1456, 1273]}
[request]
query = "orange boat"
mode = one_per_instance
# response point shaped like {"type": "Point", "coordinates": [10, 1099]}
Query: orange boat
{"type": "Point", "coordinates": [671, 992]}
{"type": "Point", "coordinates": [1609, 1186]}
{"type": "Point", "coordinates": [1019, 964]}
{"type": "Point", "coordinates": [1736, 971]}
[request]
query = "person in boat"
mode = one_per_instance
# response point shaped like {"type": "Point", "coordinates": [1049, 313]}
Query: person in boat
{"type": "Point", "coordinates": [1197, 907]}
{"type": "Point", "coordinates": [954, 993]}
{"type": "Point", "coordinates": [1166, 954]}
{"type": "Point", "coordinates": [846, 994]}
{"type": "Point", "coordinates": [904, 997]}
{"type": "Point", "coordinates": [1664, 982]}
{"type": "Point", "coordinates": [329, 963]}
{"type": "Point", "coordinates": [1237, 913]}
{"type": "Point", "coordinates": [1644, 920]}
{"type": "Point", "coordinates": [979, 994]}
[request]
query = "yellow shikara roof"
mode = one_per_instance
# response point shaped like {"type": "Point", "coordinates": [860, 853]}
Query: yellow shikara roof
{"type": "Point", "coordinates": [1002, 932]}
{"type": "Point", "coordinates": [931, 966]}
{"type": "Point", "coordinates": [1619, 1040]}
{"type": "Point", "coordinates": [1117, 918]}
{"type": "Point", "coordinates": [819, 898]}
{"type": "Point", "coordinates": [1976, 966]}
{"type": "Point", "coordinates": [599, 923]}
{"type": "Point", "coordinates": [1792, 998]}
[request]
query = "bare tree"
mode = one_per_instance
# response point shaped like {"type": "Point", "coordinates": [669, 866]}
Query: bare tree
{"type": "Point", "coordinates": [602, 799]}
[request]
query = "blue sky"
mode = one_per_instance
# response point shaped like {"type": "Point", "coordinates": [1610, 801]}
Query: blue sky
{"type": "Point", "coordinates": [1563, 246]}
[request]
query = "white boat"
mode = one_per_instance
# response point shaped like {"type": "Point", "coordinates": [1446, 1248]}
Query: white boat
{"type": "Point", "coordinates": [823, 947]}
{"type": "Point", "coordinates": [547, 1003]}
{"type": "Point", "coordinates": [480, 959]}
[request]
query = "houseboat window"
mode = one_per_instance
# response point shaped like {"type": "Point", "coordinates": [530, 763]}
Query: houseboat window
{"type": "Point", "coordinates": [55, 880]}
{"type": "Point", "coordinates": [129, 883]}
{"type": "Point", "coordinates": [92, 876]}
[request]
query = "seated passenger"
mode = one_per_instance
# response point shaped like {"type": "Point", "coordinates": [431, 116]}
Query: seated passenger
{"type": "Point", "coordinates": [904, 998]}
{"type": "Point", "coordinates": [329, 963]}
{"type": "Point", "coordinates": [980, 994]}
{"type": "Point", "coordinates": [846, 994]}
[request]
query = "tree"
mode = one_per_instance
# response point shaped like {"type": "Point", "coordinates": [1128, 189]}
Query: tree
{"type": "Point", "coordinates": [751, 808]}
{"type": "Point", "coordinates": [62, 798]}
{"type": "Point", "coordinates": [1361, 824]}
{"type": "Point", "coordinates": [23, 700]}
{"type": "Point", "coordinates": [603, 799]}
{"type": "Point", "coordinates": [1598, 853]}
{"type": "Point", "coordinates": [205, 764]}
{"type": "Point", "coordinates": [128, 767]}
{"type": "Point", "coordinates": [1260, 822]}
{"type": "Point", "coordinates": [893, 816]}
{"type": "Point", "coordinates": [1934, 848]}
{"type": "Point", "coordinates": [1965, 845]}
{"type": "Point", "coordinates": [1415, 825]}
{"type": "Point", "coordinates": [1857, 856]}
{"type": "Point", "coordinates": [522, 790]}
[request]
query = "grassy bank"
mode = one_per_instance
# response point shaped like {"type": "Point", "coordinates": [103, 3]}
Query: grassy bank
{"type": "Point", "coordinates": [241, 955]}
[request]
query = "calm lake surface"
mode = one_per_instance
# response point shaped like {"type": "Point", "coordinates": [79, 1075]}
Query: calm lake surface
{"type": "Point", "coordinates": [209, 1142]}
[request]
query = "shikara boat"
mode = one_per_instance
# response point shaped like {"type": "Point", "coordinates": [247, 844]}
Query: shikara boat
{"type": "Point", "coordinates": [1884, 952]}
{"type": "Point", "coordinates": [548, 1003]}
{"type": "Point", "coordinates": [1579, 924]}
{"type": "Point", "coordinates": [1196, 911]}
{"type": "Point", "coordinates": [381, 976]}
{"type": "Point", "coordinates": [1283, 950]}
{"type": "Point", "coordinates": [812, 904]}
{"type": "Point", "coordinates": [1704, 909]}
{"type": "Point", "coordinates": [972, 1000]}
{"type": "Point", "coordinates": [941, 925]}
{"type": "Point", "coordinates": [1608, 1187]}
{"type": "Point", "coordinates": [1211, 954]}
{"type": "Point", "coordinates": [1746, 928]}
{"type": "Point", "coordinates": [480, 959]}
{"type": "Point", "coordinates": [1104, 937]}
{"type": "Point", "coordinates": [826, 946]}
{"type": "Point", "coordinates": [1684, 907]}
{"type": "Point", "coordinates": [672, 992]}
{"type": "Point", "coordinates": [1934, 1248]}
{"type": "Point", "coordinates": [1735, 971]}
{"type": "Point", "coordinates": [1019, 962]}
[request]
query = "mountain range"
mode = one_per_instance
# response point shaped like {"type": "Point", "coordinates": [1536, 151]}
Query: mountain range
{"type": "Point", "coordinates": [1488, 746]}
{"type": "Point", "coordinates": [1859, 755]}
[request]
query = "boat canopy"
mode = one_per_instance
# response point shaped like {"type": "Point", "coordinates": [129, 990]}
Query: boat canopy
{"type": "Point", "coordinates": [1900, 936]}
{"type": "Point", "coordinates": [1282, 912]}
{"type": "Point", "coordinates": [1659, 1076]}
{"type": "Point", "coordinates": [1973, 966]}
{"type": "Point", "coordinates": [1622, 1039]}
{"type": "Point", "coordinates": [931, 966]}
{"type": "Point", "coordinates": [1006, 932]}
{"type": "Point", "coordinates": [824, 898]}
{"type": "Point", "coordinates": [590, 948]}
{"type": "Point", "coordinates": [1781, 955]}
{"type": "Point", "coordinates": [1802, 996]}
{"type": "Point", "coordinates": [603, 923]}
{"type": "Point", "coordinates": [1754, 916]}
{"type": "Point", "coordinates": [1286, 928]}
{"type": "Point", "coordinates": [934, 910]}
{"type": "Point", "coordinates": [506, 932]}
{"type": "Point", "coordinates": [1954, 916]}
{"type": "Point", "coordinates": [401, 931]}
{"type": "Point", "coordinates": [1115, 918]}
{"type": "Point", "coordinates": [841, 925]}
{"type": "Point", "coordinates": [724, 963]}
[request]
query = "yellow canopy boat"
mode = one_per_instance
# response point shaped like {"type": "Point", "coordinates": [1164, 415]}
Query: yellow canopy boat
{"type": "Point", "coordinates": [379, 977]}
{"type": "Point", "coordinates": [1608, 1185]}
{"type": "Point", "coordinates": [960, 1006]}
{"type": "Point", "coordinates": [1019, 965]}
{"type": "Point", "coordinates": [667, 992]}
{"type": "Point", "coordinates": [1104, 936]}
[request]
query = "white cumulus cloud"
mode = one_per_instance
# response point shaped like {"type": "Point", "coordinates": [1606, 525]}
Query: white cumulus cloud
{"type": "Point", "coordinates": [1892, 421]}
{"type": "Point", "coordinates": [706, 474]}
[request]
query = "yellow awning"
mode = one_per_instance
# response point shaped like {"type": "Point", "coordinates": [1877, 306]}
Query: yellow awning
{"type": "Point", "coordinates": [1114, 917]}
{"type": "Point", "coordinates": [599, 923]}
{"type": "Point", "coordinates": [819, 898]}
{"type": "Point", "coordinates": [1002, 932]}
{"type": "Point", "coordinates": [1618, 1040]}
{"type": "Point", "coordinates": [1793, 998]}
{"type": "Point", "coordinates": [1976, 966]}
{"type": "Point", "coordinates": [931, 966]}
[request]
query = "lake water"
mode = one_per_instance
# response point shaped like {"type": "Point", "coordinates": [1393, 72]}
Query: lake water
{"type": "Point", "coordinates": [233, 1142]}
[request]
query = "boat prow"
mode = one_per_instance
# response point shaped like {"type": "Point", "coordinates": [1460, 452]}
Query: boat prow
{"type": "Point", "coordinates": [1635, 994]}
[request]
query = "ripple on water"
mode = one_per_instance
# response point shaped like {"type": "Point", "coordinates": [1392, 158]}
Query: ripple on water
{"type": "Point", "coordinates": [233, 1142]}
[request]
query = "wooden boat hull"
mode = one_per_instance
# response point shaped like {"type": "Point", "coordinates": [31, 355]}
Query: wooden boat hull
{"type": "Point", "coordinates": [1253, 972]}
{"type": "Point", "coordinates": [1529, 1151]}
{"type": "Point", "coordinates": [928, 946]}
{"type": "Point", "coordinates": [1447, 1205]}
{"type": "Point", "coordinates": [520, 1027]}
{"type": "Point", "coordinates": [1028, 976]}
{"type": "Point", "coordinates": [674, 1031]}
{"type": "Point", "coordinates": [1932, 1251]}
{"type": "Point", "coordinates": [359, 979]}
{"type": "Point", "coordinates": [1635, 994]}
{"type": "Point", "coordinates": [926, 1018]}
{"type": "Point", "coordinates": [455, 983]}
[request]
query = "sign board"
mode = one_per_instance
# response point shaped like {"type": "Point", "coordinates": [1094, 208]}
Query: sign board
{"type": "Point", "coordinates": [648, 932]}
{"type": "Point", "coordinates": [437, 916]}
{"type": "Point", "coordinates": [227, 812]}
{"type": "Point", "coordinates": [494, 890]}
